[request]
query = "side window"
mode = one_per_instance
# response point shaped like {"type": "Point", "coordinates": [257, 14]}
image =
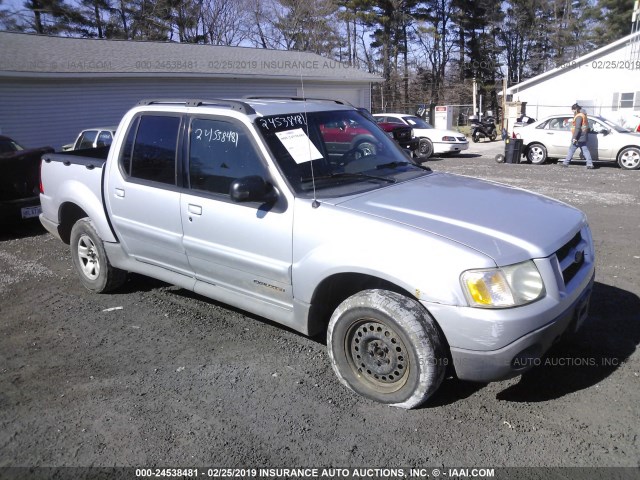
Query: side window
{"type": "Point", "coordinates": [154, 150]}
{"type": "Point", "coordinates": [104, 139]}
{"type": "Point", "coordinates": [563, 123]}
{"type": "Point", "coordinates": [596, 127]}
{"type": "Point", "coordinates": [220, 152]}
{"type": "Point", "coordinates": [395, 120]}
{"type": "Point", "coordinates": [87, 139]}
{"type": "Point", "coordinates": [127, 149]}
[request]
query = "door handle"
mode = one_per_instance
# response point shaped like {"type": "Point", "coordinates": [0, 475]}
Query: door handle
{"type": "Point", "coordinates": [194, 209]}
{"type": "Point", "coordinates": [119, 193]}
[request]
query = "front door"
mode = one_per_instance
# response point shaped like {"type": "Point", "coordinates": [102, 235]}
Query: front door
{"type": "Point", "coordinates": [242, 248]}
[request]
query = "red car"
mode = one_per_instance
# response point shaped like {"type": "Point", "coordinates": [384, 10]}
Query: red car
{"type": "Point", "coordinates": [343, 137]}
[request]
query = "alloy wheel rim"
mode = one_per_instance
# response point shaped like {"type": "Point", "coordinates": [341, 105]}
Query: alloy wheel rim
{"type": "Point", "coordinates": [88, 256]}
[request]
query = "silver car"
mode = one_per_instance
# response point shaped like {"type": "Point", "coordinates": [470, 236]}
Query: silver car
{"type": "Point", "coordinates": [607, 141]}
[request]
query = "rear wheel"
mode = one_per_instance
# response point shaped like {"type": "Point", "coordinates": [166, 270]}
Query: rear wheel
{"type": "Point", "coordinates": [629, 158]}
{"type": "Point", "coordinates": [90, 259]}
{"type": "Point", "coordinates": [493, 136]}
{"type": "Point", "coordinates": [537, 154]}
{"type": "Point", "coordinates": [386, 347]}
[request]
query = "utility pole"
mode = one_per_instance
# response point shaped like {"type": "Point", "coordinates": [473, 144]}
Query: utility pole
{"type": "Point", "coordinates": [475, 88]}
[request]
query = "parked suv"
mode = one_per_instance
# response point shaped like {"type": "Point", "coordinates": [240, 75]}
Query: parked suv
{"type": "Point", "coordinates": [308, 214]}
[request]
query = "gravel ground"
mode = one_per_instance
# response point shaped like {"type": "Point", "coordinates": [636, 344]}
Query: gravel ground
{"type": "Point", "coordinates": [156, 376]}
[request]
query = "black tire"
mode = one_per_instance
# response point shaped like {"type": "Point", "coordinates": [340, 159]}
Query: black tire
{"type": "Point", "coordinates": [500, 158]}
{"type": "Point", "coordinates": [493, 137]}
{"type": "Point", "coordinates": [90, 259]}
{"type": "Point", "coordinates": [386, 347]}
{"type": "Point", "coordinates": [475, 137]}
{"type": "Point", "coordinates": [537, 153]}
{"type": "Point", "coordinates": [365, 149]}
{"type": "Point", "coordinates": [629, 158]}
{"type": "Point", "coordinates": [425, 149]}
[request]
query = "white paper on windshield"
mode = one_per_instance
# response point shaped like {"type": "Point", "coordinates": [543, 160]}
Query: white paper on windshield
{"type": "Point", "coordinates": [299, 145]}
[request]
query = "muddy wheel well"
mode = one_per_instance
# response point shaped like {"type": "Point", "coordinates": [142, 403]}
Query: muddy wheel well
{"type": "Point", "coordinates": [333, 290]}
{"type": "Point", "coordinates": [69, 214]}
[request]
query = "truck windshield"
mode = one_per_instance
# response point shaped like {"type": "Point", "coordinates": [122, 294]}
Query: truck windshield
{"type": "Point", "coordinates": [336, 152]}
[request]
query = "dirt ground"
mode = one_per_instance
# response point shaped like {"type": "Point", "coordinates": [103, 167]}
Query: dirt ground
{"type": "Point", "coordinates": [154, 375]}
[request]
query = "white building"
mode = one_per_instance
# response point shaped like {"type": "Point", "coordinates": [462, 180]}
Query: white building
{"type": "Point", "coordinates": [606, 82]}
{"type": "Point", "coordinates": [53, 87]}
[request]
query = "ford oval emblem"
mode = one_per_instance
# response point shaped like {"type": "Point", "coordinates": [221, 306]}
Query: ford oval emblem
{"type": "Point", "coordinates": [579, 258]}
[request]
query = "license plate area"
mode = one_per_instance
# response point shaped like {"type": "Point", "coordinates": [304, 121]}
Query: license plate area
{"type": "Point", "coordinates": [582, 310]}
{"type": "Point", "coordinates": [30, 212]}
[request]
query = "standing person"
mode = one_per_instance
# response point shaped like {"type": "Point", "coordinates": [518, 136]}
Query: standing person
{"type": "Point", "coordinates": [579, 135]}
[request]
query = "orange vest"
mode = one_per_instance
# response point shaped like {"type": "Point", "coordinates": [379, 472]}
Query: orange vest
{"type": "Point", "coordinates": [584, 129]}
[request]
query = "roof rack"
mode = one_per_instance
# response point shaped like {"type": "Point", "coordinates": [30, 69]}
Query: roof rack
{"type": "Point", "coordinates": [214, 102]}
{"type": "Point", "coordinates": [298, 99]}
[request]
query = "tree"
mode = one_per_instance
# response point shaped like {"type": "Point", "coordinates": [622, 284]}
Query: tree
{"type": "Point", "coordinates": [612, 20]}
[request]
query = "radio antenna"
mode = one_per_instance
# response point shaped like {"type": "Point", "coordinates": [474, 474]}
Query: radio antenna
{"type": "Point", "coordinates": [315, 203]}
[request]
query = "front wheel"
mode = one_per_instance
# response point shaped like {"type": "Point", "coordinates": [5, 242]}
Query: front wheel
{"type": "Point", "coordinates": [537, 154]}
{"type": "Point", "coordinates": [90, 260]}
{"type": "Point", "coordinates": [425, 148]}
{"type": "Point", "coordinates": [629, 158]}
{"type": "Point", "coordinates": [386, 347]}
{"type": "Point", "coordinates": [475, 137]}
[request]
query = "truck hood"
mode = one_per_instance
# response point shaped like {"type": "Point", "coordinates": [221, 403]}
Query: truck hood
{"type": "Point", "coordinates": [508, 224]}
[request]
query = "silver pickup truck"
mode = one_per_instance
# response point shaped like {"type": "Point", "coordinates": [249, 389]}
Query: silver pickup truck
{"type": "Point", "coordinates": [274, 207]}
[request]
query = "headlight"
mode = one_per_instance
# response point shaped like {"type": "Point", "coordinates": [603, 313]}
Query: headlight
{"type": "Point", "coordinates": [503, 287]}
{"type": "Point", "coordinates": [448, 139]}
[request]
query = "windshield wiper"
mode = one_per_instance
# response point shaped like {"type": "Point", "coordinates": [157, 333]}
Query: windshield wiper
{"type": "Point", "coordinates": [393, 164]}
{"type": "Point", "coordinates": [401, 164]}
{"type": "Point", "coordinates": [349, 175]}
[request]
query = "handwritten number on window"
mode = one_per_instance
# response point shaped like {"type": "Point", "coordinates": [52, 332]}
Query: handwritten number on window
{"type": "Point", "coordinates": [215, 135]}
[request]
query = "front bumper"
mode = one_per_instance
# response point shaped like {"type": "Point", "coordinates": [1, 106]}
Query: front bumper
{"type": "Point", "coordinates": [524, 353]}
{"type": "Point", "coordinates": [439, 147]}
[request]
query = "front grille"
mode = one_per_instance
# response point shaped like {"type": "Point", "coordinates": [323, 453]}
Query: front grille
{"type": "Point", "coordinates": [571, 257]}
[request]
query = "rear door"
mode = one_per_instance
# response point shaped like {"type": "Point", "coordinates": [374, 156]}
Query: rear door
{"type": "Point", "coordinates": [557, 136]}
{"type": "Point", "coordinates": [245, 249]}
{"type": "Point", "coordinates": [143, 194]}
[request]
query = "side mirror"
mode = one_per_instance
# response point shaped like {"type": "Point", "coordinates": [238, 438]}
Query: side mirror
{"type": "Point", "coordinates": [252, 189]}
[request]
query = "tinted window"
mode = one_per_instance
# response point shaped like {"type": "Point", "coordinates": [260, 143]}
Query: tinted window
{"type": "Point", "coordinates": [417, 122]}
{"type": "Point", "coordinates": [219, 153]}
{"type": "Point", "coordinates": [87, 139]}
{"type": "Point", "coordinates": [127, 150]}
{"type": "Point", "coordinates": [393, 120]}
{"type": "Point", "coordinates": [104, 139]}
{"type": "Point", "coordinates": [154, 150]}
